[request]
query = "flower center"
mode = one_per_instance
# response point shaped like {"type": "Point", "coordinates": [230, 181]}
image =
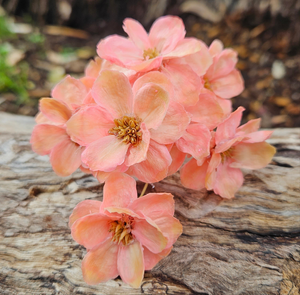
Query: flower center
{"type": "Point", "coordinates": [121, 230]}
{"type": "Point", "coordinates": [226, 154]}
{"type": "Point", "coordinates": [127, 129]}
{"type": "Point", "coordinates": [150, 53]}
{"type": "Point", "coordinates": [207, 84]}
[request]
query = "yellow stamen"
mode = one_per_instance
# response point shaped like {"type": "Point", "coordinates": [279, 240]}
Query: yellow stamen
{"type": "Point", "coordinates": [121, 230]}
{"type": "Point", "coordinates": [226, 154]}
{"type": "Point", "coordinates": [150, 53]}
{"type": "Point", "coordinates": [127, 129]}
{"type": "Point", "coordinates": [207, 84]}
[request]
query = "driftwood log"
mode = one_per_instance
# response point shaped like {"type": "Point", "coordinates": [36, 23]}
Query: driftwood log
{"type": "Point", "coordinates": [248, 245]}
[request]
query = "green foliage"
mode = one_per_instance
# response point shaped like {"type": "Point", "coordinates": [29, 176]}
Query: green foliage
{"type": "Point", "coordinates": [4, 30]}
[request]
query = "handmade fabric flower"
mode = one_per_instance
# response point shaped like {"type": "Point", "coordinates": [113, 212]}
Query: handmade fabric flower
{"type": "Point", "coordinates": [129, 126]}
{"type": "Point", "coordinates": [143, 52]}
{"type": "Point", "coordinates": [232, 147]}
{"type": "Point", "coordinates": [50, 137]}
{"type": "Point", "coordinates": [124, 235]}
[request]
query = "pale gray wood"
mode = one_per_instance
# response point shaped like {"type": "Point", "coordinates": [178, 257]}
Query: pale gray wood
{"type": "Point", "coordinates": [248, 245]}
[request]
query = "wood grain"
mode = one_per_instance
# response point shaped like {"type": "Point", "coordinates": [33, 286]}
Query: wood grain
{"type": "Point", "coordinates": [248, 245]}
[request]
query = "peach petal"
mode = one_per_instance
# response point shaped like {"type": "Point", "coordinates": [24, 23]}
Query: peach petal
{"type": "Point", "coordinates": [207, 110]}
{"type": "Point", "coordinates": [184, 47]}
{"type": "Point", "coordinates": [40, 118]}
{"type": "Point", "coordinates": [195, 141]}
{"type": "Point", "coordinates": [89, 124]}
{"type": "Point", "coordinates": [172, 126]}
{"type": "Point", "coordinates": [249, 127]}
{"type": "Point", "coordinates": [216, 47]}
{"type": "Point", "coordinates": [138, 153]}
{"type": "Point", "coordinates": [89, 100]}
{"type": "Point", "coordinates": [258, 136]}
{"type": "Point", "coordinates": [45, 137]}
{"type": "Point", "coordinates": [226, 144]}
{"type": "Point", "coordinates": [102, 176]}
{"type": "Point", "coordinates": [119, 191]}
{"type": "Point", "coordinates": [150, 104]}
{"type": "Point", "coordinates": [193, 176]}
{"type": "Point", "coordinates": [151, 259]}
{"type": "Point", "coordinates": [91, 230]}
{"type": "Point", "coordinates": [88, 82]}
{"type": "Point", "coordinates": [227, 128]}
{"type": "Point", "coordinates": [166, 32]}
{"type": "Point", "coordinates": [154, 202]}
{"type": "Point", "coordinates": [100, 264]}
{"type": "Point", "coordinates": [94, 67]}
{"type": "Point", "coordinates": [226, 105]}
{"type": "Point", "coordinates": [84, 208]}
{"type": "Point", "coordinates": [65, 157]}
{"type": "Point", "coordinates": [211, 174]}
{"type": "Point", "coordinates": [70, 91]}
{"type": "Point", "coordinates": [105, 154]}
{"type": "Point", "coordinates": [149, 236]}
{"type": "Point", "coordinates": [228, 86]}
{"type": "Point", "coordinates": [178, 158]}
{"type": "Point", "coordinates": [228, 180]}
{"type": "Point", "coordinates": [112, 91]}
{"type": "Point", "coordinates": [54, 110]}
{"type": "Point", "coordinates": [136, 33]}
{"type": "Point", "coordinates": [155, 167]}
{"type": "Point", "coordinates": [131, 264]}
{"type": "Point", "coordinates": [252, 155]}
{"type": "Point", "coordinates": [116, 212]}
{"type": "Point", "coordinates": [148, 65]}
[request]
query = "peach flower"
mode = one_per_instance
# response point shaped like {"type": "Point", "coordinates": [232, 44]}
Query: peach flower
{"type": "Point", "coordinates": [124, 235]}
{"type": "Point", "coordinates": [232, 147]}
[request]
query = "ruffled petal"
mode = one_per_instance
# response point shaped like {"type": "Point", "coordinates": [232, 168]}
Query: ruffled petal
{"type": "Point", "coordinates": [89, 124]}
{"type": "Point", "coordinates": [112, 91]}
{"type": "Point", "coordinates": [151, 259]}
{"type": "Point", "coordinates": [94, 67]}
{"type": "Point", "coordinates": [249, 127]}
{"type": "Point", "coordinates": [45, 137]}
{"type": "Point", "coordinates": [131, 264]}
{"type": "Point", "coordinates": [65, 157]}
{"type": "Point", "coordinates": [100, 264]}
{"type": "Point", "coordinates": [258, 136]}
{"type": "Point", "coordinates": [84, 208]}
{"type": "Point", "coordinates": [178, 158]}
{"type": "Point", "coordinates": [150, 104]}
{"type": "Point", "coordinates": [40, 118]}
{"type": "Point", "coordinates": [119, 191]}
{"type": "Point", "coordinates": [184, 47]}
{"type": "Point", "coordinates": [252, 155]}
{"type": "Point", "coordinates": [91, 230]}
{"type": "Point", "coordinates": [105, 154]}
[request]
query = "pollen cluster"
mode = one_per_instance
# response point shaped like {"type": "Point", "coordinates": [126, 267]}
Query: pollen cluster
{"type": "Point", "coordinates": [121, 230]}
{"type": "Point", "coordinates": [226, 154]}
{"type": "Point", "coordinates": [127, 129]}
{"type": "Point", "coordinates": [150, 53]}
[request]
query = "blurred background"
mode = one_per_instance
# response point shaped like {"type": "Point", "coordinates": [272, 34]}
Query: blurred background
{"type": "Point", "coordinates": [43, 40]}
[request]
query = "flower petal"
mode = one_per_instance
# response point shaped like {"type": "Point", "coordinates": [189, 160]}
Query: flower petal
{"type": "Point", "coordinates": [105, 154]}
{"type": "Point", "coordinates": [70, 91]}
{"type": "Point", "coordinates": [119, 191]}
{"type": "Point", "coordinates": [131, 264]}
{"type": "Point", "coordinates": [184, 47]}
{"type": "Point", "coordinates": [45, 137]}
{"type": "Point", "coordinates": [40, 118]}
{"type": "Point", "coordinates": [84, 208]}
{"type": "Point", "coordinates": [193, 176]}
{"type": "Point", "coordinates": [151, 259]}
{"type": "Point", "coordinates": [136, 33]}
{"type": "Point", "coordinates": [149, 236]}
{"type": "Point", "coordinates": [54, 110]}
{"type": "Point", "coordinates": [150, 104]}
{"type": "Point", "coordinates": [94, 67]}
{"type": "Point", "coordinates": [258, 136]}
{"type": "Point", "coordinates": [178, 158]}
{"type": "Point", "coordinates": [100, 264]}
{"type": "Point", "coordinates": [91, 230]}
{"type": "Point", "coordinates": [216, 47]}
{"type": "Point", "coordinates": [89, 124]}
{"type": "Point", "coordinates": [250, 126]}
{"type": "Point", "coordinates": [252, 155]}
{"type": "Point", "coordinates": [65, 157]}
{"type": "Point", "coordinates": [112, 91]}
{"type": "Point", "coordinates": [166, 32]}
{"type": "Point", "coordinates": [211, 173]}
{"type": "Point", "coordinates": [172, 126]}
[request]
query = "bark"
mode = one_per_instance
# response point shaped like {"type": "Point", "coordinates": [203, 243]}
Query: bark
{"type": "Point", "coordinates": [248, 245]}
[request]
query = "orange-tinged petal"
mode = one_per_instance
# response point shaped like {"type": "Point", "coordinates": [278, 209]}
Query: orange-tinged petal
{"type": "Point", "coordinates": [184, 47]}
{"type": "Point", "coordinates": [149, 236]}
{"type": "Point", "coordinates": [112, 91]}
{"type": "Point", "coordinates": [84, 208]}
{"type": "Point", "coordinates": [151, 259]}
{"type": "Point", "coordinates": [252, 155]}
{"type": "Point", "coordinates": [119, 191]}
{"type": "Point", "coordinates": [65, 157]}
{"type": "Point", "coordinates": [258, 136]}
{"type": "Point", "coordinates": [249, 127]}
{"type": "Point", "coordinates": [211, 174]}
{"type": "Point", "coordinates": [116, 212]}
{"type": "Point", "coordinates": [178, 158]}
{"type": "Point", "coordinates": [40, 118]}
{"type": "Point", "coordinates": [45, 137]}
{"type": "Point", "coordinates": [91, 230]}
{"type": "Point", "coordinates": [150, 104]}
{"type": "Point", "coordinates": [100, 264]}
{"type": "Point", "coordinates": [94, 67]}
{"type": "Point", "coordinates": [105, 154]}
{"type": "Point", "coordinates": [216, 47]}
{"type": "Point", "coordinates": [131, 264]}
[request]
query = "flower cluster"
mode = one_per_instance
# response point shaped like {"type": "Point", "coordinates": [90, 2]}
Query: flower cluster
{"type": "Point", "coordinates": [144, 106]}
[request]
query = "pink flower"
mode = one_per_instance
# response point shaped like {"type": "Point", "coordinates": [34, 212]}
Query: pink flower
{"type": "Point", "coordinates": [143, 52]}
{"type": "Point", "coordinates": [232, 147]}
{"type": "Point", "coordinates": [50, 137]}
{"type": "Point", "coordinates": [124, 235]}
{"type": "Point", "coordinates": [129, 126]}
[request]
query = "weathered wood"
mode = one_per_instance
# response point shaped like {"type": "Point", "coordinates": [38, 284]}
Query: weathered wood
{"type": "Point", "coordinates": [248, 245]}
